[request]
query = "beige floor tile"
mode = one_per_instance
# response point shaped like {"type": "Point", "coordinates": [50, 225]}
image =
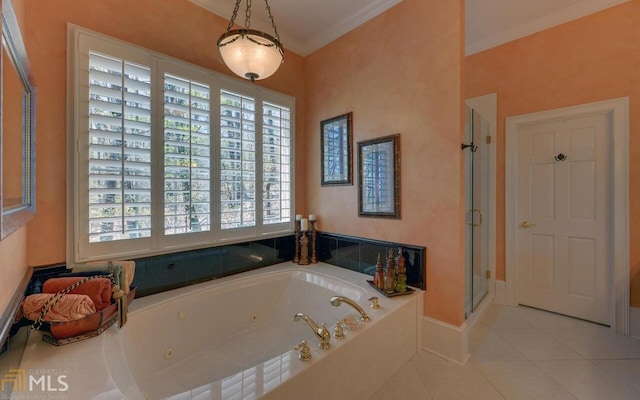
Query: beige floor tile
{"type": "Point", "coordinates": [597, 342]}
{"type": "Point", "coordinates": [587, 381]}
{"type": "Point", "coordinates": [427, 356]}
{"type": "Point", "coordinates": [545, 319]}
{"type": "Point", "coordinates": [523, 353]}
{"type": "Point", "coordinates": [404, 384]}
{"type": "Point", "coordinates": [537, 345]}
{"type": "Point", "coordinates": [488, 345]}
{"type": "Point", "coordinates": [503, 317]}
{"type": "Point", "coordinates": [445, 380]}
{"type": "Point", "coordinates": [522, 380]}
{"type": "Point", "coordinates": [627, 371]}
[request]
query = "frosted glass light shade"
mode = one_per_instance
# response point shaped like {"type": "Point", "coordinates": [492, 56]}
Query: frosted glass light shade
{"type": "Point", "coordinates": [250, 54]}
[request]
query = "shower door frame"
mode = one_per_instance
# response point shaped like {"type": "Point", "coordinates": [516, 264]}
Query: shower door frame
{"type": "Point", "coordinates": [486, 106]}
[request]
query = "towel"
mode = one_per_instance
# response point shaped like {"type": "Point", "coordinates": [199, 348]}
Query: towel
{"type": "Point", "coordinates": [69, 308]}
{"type": "Point", "coordinates": [98, 290]}
{"type": "Point", "coordinates": [123, 271]}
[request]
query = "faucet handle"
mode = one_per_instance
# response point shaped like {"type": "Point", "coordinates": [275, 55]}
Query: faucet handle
{"type": "Point", "coordinates": [338, 331]}
{"type": "Point", "coordinates": [305, 353]}
{"type": "Point", "coordinates": [374, 302]}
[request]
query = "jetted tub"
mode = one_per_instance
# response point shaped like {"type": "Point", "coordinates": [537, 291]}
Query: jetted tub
{"type": "Point", "coordinates": [234, 337]}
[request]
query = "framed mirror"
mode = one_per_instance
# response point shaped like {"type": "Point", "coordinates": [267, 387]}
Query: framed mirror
{"type": "Point", "coordinates": [17, 127]}
{"type": "Point", "coordinates": [379, 177]}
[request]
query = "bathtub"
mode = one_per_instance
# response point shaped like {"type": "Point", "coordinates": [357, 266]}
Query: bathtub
{"type": "Point", "coordinates": [233, 338]}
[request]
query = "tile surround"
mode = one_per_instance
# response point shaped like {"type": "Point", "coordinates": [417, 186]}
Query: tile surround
{"type": "Point", "coordinates": [361, 254]}
{"type": "Point", "coordinates": [170, 271]}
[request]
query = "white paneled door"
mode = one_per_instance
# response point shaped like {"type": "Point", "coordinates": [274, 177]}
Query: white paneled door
{"type": "Point", "coordinates": [563, 233]}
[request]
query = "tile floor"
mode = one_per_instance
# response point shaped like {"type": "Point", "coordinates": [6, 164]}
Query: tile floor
{"type": "Point", "coordinates": [524, 353]}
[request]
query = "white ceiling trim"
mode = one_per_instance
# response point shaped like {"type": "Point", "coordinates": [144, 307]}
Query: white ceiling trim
{"type": "Point", "coordinates": [565, 15]}
{"type": "Point", "coordinates": [223, 10]}
{"type": "Point", "coordinates": [328, 35]}
{"type": "Point", "coordinates": [305, 47]}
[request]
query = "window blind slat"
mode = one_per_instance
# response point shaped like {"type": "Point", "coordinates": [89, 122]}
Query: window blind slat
{"type": "Point", "coordinates": [187, 156]}
{"type": "Point", "coordinates": [275, 165]}
{"type": "Point", "coordinates": [119, 102]}
{"type": "Point", "coordinates": [237, 161]}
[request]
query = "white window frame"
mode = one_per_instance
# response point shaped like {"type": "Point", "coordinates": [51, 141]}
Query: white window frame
{"type": "Point", "coordinates": [81, 41]}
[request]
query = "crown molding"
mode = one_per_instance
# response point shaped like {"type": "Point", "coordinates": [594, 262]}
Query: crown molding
{"type": "Point", "coordinates": [308, 46]}
{"type": "Point", "coordinates": [539, 24]}
{"type": "Point", "coordinates": [330, 34]}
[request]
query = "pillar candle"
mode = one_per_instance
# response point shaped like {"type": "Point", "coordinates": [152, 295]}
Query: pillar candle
{"type": "Point", "coordinates": [304, 224]}
{"type": "Point", "coordinates": [312, 217]}
{"type": "Point", "coordinates": [298, 217]}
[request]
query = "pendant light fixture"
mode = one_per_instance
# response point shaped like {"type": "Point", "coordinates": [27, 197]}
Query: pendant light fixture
{"type": "Point", "coordinates": [251, 54]}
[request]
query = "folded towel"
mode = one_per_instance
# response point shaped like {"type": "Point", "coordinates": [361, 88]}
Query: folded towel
{"type": "Point", "coordinates": [99, 268]}
{"type": "Point", "coordinates": [69, 308]}
{"type": "Point", "coordinates": [98, 290]}
{"type": "Point", "coordinates": [123, 271]}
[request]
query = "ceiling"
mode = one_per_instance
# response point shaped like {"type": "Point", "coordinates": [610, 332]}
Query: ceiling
{"type": "Point", "coordinates": [306, 25]}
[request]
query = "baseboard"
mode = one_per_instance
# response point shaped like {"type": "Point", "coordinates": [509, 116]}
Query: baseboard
{"type": "Point", "coordinates": [445, 340]}
{"type": "Point", "coordinates": [449, 341]}
{"type": "Point", "coordinates": [501, 293]}
{"type": "Point", "coordinates": [634, 322]}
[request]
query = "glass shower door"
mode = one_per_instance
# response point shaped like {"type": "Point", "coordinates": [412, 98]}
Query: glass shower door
{"type": "Point", "coordinates": [477, 206]}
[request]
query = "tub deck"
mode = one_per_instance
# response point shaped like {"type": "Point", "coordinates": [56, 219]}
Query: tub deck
{"type": "Point", "coordinates": [101, 368]}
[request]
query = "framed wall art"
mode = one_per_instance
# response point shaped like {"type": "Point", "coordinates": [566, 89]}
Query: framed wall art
{"type": "Point", "coordinates": [336, 147]}
{"type": "Point", "coordinates": [379, 177]}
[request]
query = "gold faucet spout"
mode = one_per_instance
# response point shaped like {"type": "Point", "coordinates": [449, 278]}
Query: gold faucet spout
{"type": "Point", "coordinates": [321, 332]}
{"type": "Point", "coordinates": [337, 300]}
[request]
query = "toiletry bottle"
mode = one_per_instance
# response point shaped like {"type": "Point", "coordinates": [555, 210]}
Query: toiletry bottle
{"type": "Point", "coordinates": [390, 274]}
{"type": "Point", "coordinates": [401, 272]}
{"type": "Point", "coordinates": [378, 279]}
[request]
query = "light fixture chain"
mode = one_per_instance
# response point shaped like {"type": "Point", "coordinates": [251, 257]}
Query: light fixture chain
{"type": "Point", "coordinates": [247, 20]}
{"type": "Point", "coordinates": [233, 17]}
{"type": "Point", "coordinates": [273, 24]}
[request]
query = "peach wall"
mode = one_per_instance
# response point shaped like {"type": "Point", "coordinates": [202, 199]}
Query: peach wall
{"type": "Point", "coordinates": [177, 28]}
{"type": "Point", "coordinates": [594, 58]}
{"type": "Point", "coordinates": [399, 73]}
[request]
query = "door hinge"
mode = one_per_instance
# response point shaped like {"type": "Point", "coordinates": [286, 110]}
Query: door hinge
{"type": "Point", "coordinates": [488, 273]}
{"type": "Point", "coordinates": [488, 139]}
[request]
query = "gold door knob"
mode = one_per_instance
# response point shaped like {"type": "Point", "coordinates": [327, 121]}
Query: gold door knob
{"type": "Point", "coordinates": [526, 224]}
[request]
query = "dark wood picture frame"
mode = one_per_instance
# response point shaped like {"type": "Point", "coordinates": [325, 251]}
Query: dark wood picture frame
{"type": "Point", "coordinates": [336, 150]}
{"type": "Point", "coordinates": [379, 177]}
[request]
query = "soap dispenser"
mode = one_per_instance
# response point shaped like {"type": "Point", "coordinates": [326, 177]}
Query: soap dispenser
{"type": "Point", "coordinates": [390, 274]}
{"type": "Point", "coordinates": [378, 279]}
{"type": "Point", "coordinates": [401, 272]}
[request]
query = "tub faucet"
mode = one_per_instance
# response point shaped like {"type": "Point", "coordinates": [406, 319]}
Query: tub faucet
{"type": "Point", "coordinates": [337, 300]}
{"type": "Point", "coordinates": [322, 333]}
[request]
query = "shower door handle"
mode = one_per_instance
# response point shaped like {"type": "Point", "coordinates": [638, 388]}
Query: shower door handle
{"type": "Point", "coordinates": [472, 220]}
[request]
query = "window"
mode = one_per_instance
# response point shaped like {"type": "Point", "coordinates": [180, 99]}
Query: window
{"type": "Point", "coordinates": [237, 160]}
{"type": "Point", "coordinates": [276, 163]}
{"type": "Point", "coordinates": [187, 156]}
{"type": "Point", "coordinates": [119, 149]}
{"type": "Point", "coordinates": [172, 156]}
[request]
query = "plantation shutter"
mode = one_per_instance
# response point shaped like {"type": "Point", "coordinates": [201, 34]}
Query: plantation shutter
{"type": "Point", "coordinates": [237, 160]}
{"type": "Point", "coordinates": [187, 156]}
{"type": "Point", "coordinates": [119, 149]}
{"type": "Point", "coordinates": [155, 171]}
{"type": "Point", "coordinates": [276, 163]}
